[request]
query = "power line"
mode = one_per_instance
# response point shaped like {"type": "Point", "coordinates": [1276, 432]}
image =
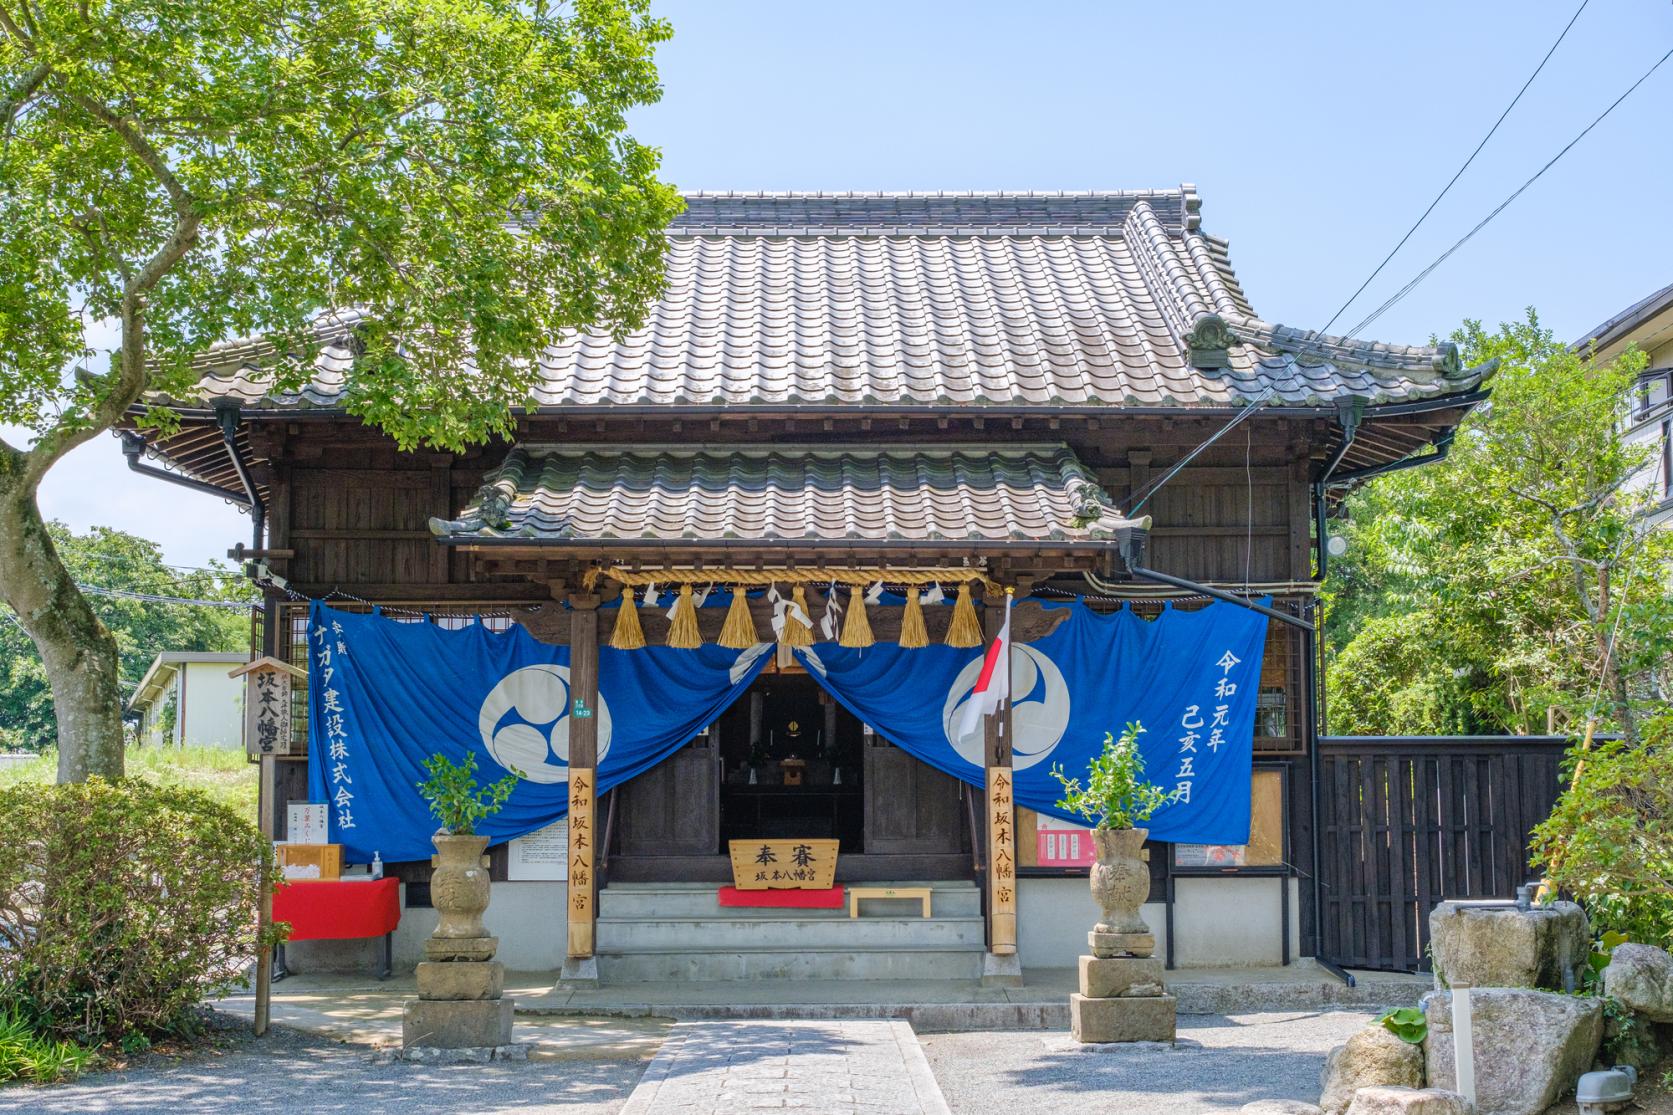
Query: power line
{"type": "Point", "coordinates": [1503, 205]}
{"type": "Point", "coordinates": [1454, 179]}
{"type": "Point", "coordinates": [153, 598]}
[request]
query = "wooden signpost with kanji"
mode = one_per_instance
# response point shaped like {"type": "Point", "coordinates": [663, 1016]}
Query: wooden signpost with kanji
{"type": "Point", "coordinates": [1002, 858]}
{"type": "Point", "coordinates": [268, 684]}
{"type": "Point", "coordinates": [581, 790]}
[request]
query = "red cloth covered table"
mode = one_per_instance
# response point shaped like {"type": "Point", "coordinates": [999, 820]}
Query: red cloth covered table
{"type": "Point", "coordinates": [325, 910]}
{"type": "Point", "coordinates": [332, 910]}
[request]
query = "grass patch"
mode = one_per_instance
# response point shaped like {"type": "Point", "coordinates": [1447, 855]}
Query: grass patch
{"type": "Point", "coordinates": [221, 772]}
{"type": "Point", "coordinates": [29, 1057]}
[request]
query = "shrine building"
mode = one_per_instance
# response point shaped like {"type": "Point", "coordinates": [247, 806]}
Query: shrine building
{"type": "Point", "coordinates": [902, 405]}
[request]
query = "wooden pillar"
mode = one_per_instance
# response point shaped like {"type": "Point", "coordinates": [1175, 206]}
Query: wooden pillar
{"type": "Point", "coordinates": [583, 775]}
{"type": "Point", "coordinates": [1001, 808]}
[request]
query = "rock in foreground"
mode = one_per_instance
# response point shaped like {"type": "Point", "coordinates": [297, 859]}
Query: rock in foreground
{"type": "Point", "coordinates": [1502, 946]}
{"type": "Point", "coordinates": [1641, 977]}
{"type": "Point", "coordinates": [1372, 1057]}
{"type": "Point", "coordinates": [1530, 1046]}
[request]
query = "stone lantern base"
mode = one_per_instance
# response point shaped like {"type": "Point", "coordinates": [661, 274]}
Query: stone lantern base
{"type": "Point", "coordinates": [1122, 999]}
{"type": "Point", "coordinates": [460, 1005]}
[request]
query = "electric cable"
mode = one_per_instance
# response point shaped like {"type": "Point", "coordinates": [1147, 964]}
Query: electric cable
{"type": "Point", "coordinates": [1460, 172]}
{"type": "Point", "coordinates": [1503, 205]}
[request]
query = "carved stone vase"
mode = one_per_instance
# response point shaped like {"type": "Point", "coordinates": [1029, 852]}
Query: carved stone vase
{"type": "Point", "coordinates": [459, 886]}
{"type": "Point", "coordinates": [1120, 884]}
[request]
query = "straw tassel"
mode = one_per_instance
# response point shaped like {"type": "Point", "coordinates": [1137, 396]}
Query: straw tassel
{"type": "Point", "coordinates": [966, 629]}
{"type": "Point", "coordinates": [627, 634]}
{"type": "Point", "coordinates": [682, 632]}
{"type": "Point", "coordinates": [913, 633]}
{"type": "Point", "coordinates": [738, 633]}
{"type": "Point", "coordinates": [856, 629]}
{"type": "Point", "coordinates": [796, 633]}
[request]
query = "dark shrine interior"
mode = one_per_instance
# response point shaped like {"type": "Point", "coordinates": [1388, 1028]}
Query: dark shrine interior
{"type": "Point", "coordinates": [792, 762]}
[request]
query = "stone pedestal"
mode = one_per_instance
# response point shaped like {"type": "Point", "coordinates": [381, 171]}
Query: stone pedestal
{"type": "Point", "coordinates": [1134, 1018]}
{"type": "Point", "coordinates": [1113, 977]}
{"type": "Point", "coordinates": [457, 1023]}
{"type": "Point", "coordinates": [1121, 944]}
{"type": "Point", "coordinates": [1121, 999]}
{"type": "Point", "coordinates": [461, 1004]}
{"type": "Point", "coordinates": [480, 980]}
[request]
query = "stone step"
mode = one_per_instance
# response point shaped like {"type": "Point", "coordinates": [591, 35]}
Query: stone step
{"type": "Point", "coordinates": [956, 898]}
{"type": "Point", "coordinates": [619, 934]}
{"type": "Point", "coordinates": [707, 965]}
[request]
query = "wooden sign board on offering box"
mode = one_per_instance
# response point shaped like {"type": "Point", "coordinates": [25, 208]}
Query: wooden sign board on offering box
{"type": "Point", "coordinates": [783, 864]}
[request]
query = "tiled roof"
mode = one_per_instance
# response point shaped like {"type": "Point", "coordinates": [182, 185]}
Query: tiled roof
{"type": "Point", "coordinates": [941, 300]}
{"type": "Point", "coordinates": [782, 493]}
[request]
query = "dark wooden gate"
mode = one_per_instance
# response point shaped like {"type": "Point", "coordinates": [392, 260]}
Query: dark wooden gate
{"type": "Point", "coordinates": [1406, 822]}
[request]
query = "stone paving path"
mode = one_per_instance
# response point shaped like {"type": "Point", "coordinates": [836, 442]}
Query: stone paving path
{"type": "Point", "coordinates": [837, 1068]}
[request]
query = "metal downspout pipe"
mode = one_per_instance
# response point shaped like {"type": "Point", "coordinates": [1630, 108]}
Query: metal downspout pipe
{"type": "Point", "coordinates": [228, 418]}
{"type": "Point", "coordinates": [1348, 416]}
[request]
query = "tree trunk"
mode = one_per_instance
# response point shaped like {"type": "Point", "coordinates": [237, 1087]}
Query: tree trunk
{"type": "Point", "coordinates": [78, 650]}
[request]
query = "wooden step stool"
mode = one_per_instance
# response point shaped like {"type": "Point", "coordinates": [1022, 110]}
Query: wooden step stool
{"type": "Point", "coordinates": [857, 893]}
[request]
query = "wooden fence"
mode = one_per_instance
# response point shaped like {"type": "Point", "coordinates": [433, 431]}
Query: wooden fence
{"type": "Point", "coordinates": [1409, 821]}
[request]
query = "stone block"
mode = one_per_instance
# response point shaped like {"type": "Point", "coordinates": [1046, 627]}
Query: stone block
{"type": "Point", "coordinates": [1105, 945]}
{"type": "Point", "coordinates": [1373, 1057]}
{"type": "Point", "coordinates": [1409, 1101]}
{"type": "Point", "coordinates": [1279, 1107]}
{"type": "Point", "coordinates": [1530, 1046]}
{"type": "Point", "coordinates": [1001, 970]}
{"type": "Point", "coordinates": [1105, 977]}
{"type": "Point", "coordinates": [443, 949]}
{"type": "Point", "coordinates": [1501, 946]}
{"type": "Point", "coordinates": [457, 1023]}
{"type": "Point", "coordinates": [1641, 977]}
{"type": "Point", "coordinates": [1111, 1020]}
{"type": "Point", "coordinates": [461, 979]}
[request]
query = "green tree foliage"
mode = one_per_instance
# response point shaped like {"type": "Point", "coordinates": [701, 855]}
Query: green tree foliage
{"type": "Point", "coordinates": [456, 799]}
{"type": "Point", "coordinates": [1609, 841]}
{"type": "Point", "coordinates": [1116, 794]}
{"type": "Point", "coordinates": [110, 560]}
{"type": "Point", "coordinates": [122, 905]}
{"type": "Point", "coordinates": [452, 176]}
{"type": "Point", "coordinates": [1517, 575]}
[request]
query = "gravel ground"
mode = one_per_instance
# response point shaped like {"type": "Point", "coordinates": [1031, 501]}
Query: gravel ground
{"type": "Point", "coordinates": [1220, 1064]}
{"type": "Point", "coordinates": [292, 1072]}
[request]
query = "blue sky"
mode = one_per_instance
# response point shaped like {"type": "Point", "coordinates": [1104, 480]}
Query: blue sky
{"type": "Point", "coordinates": [1315, 132]}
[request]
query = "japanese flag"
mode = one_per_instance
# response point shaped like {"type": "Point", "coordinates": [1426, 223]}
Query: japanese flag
{"type": "Point", "coordinates": [994, 683]}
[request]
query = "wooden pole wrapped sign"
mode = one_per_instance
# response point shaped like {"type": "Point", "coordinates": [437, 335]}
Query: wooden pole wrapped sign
{"type": "Point", "coordinates": [583, 775]}
{"type": "Point", "coordinates": [1002, 856]}
{"type": "Point", "coordinates": [268, 684]}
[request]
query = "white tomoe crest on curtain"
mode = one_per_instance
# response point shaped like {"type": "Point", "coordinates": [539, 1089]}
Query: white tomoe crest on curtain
{"type": "Point", "coordinates": [1039, 708]}
{"type": "Point", "coordinates": [525, 723]}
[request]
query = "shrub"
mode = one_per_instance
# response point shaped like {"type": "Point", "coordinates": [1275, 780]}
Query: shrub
{"type": "Point", "coordinates": [123, 904]}
{"type": "Point", "coordinates": [28, 1055]}
{"type": "Point", "coordinates": [1116, 795]}
{"type": "Point", "coordinates": [455, 797]}
{"type": "Point", "coordinates": [1609, 839]}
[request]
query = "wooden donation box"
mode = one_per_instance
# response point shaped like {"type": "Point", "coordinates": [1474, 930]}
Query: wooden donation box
{"type": "Point", "coordinates": [783, 864]}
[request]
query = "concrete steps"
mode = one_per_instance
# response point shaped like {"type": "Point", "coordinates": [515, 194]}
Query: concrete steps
{"type": "Point", "coordinates": [650, 932]}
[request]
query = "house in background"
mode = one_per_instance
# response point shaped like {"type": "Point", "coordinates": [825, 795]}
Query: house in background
{"type": "Point", "coordinates": [187, 699]}
{"type": "Point", "coordinates": [1648, 324]}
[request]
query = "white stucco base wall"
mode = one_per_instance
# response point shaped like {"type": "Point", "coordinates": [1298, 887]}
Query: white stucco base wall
{"type": "Point", "coordinates": [526, 917]}
{"type": "Point", "coordinates": [1228, 922]}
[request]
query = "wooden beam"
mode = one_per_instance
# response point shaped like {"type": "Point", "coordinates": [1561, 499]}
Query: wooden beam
{"type": "Point", "coordinates": [583, 771]}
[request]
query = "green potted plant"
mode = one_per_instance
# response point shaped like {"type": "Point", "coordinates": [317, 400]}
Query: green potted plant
{"type": "Point", "coordinates": [1116, 800]}
{"type": "Point", "coordinates": [459, 884]}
